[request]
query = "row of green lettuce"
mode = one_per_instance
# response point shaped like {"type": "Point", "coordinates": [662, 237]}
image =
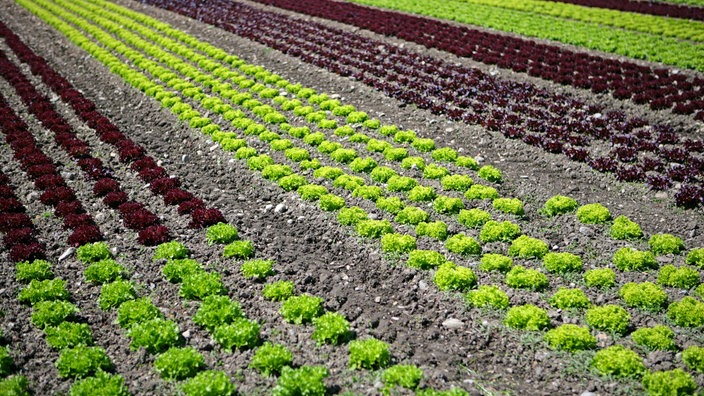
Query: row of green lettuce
{"type": "Point", "coordinates": [655, 46]}
{"type": "Point", "coordinates": [272, 169]}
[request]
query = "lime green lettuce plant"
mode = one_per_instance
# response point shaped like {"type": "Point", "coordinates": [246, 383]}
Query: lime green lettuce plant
{"type": "Point", "coordinates": [655, 338]}
{"type": "Point", "coordinates": [602, 278]}
{"type": "Point", "coordinates": [682, 277]}
{"type": "Point", "coordinates": [176, 270]}
{"type": "Point", "coordinates": [239, 250]}
{"type": "Point", "coordinates": [494, 231]}
{"type": "Point", "coordinates": [403, 375]}
{"type": "Point", "coordinates": [629, 259]}
{"type": "Point", "coordinates": [435, 229]}
{"type": "Point", "coordinates": [488, 297]}
{"type": "Point", "coordinates": [688, 312]}
{"type": "Point", "coordinates": [155, 335]}
{"type": "Point", "coordinates": [495, 262]}
{"type": "Point", "coordinates": [448, 205]}
{"type": "Point", "coordinates": [207, 383]}
{"type": "Point", "coordinates": [618, 361]}
{"type": "Point", "coordinates": [82, 361]}
{"type": "Point", "coordinates": [241, 333]}
{"type": "Point", "coordinates": [373, 228]}
{"type": "Point", "coordinates": [115, 293]}
{"type": "Point", "coordinates": [611, 318]}
{"type": "Point", "coordinates": [450, 276]}
{"type": "Point", "coordinates": [565, 298]}
{"type": "Point", "coordinates": [216, 311]}
{"type": "Point", "coordinates": [527, 317]}
{"type": "Point", "coordinates": [278, 291]}
{"type": "Point", "coordinates": [200, 285]}
{"type": "Point", "coordinates": [693, 357]}
{"type": "Point", "coordinates": [559, 204]}
{"type": "Point", "coordinates": [351, 215]}
{"type": "Point", "coordinates": [398, 243]}
{"type": "Point", "coordinates": [527, 247]}
{"type": "Point", "coordinates": [512, 206]}
{"type": "Point", "coordinates": [301, 309]}
{"type": "Point", "coordinates": [647, 296]}
{"type": "Point", "coordinates": [137, 311]}
{"type": "Point", "coordinates": [257, 268]}
{"type": "Point", "coordinates": [305, 380]}
{"type": "Point", "coordinates": [93, 252]}
{"type": "Point", "coordinates": [331, 328]}
{"type": "Point", "coordinates": [570, 338]}
{"type": "Point", "coordinates": [270, 359]}
{"type": "Point", "coordinates": [425, 259]}
{"type": "Point", "coordinates": [624, 228]}
{"type": "Point", "coordinates": [36, 270]}
{"type": "Point", "coordinates": [44, 290]}
{"type": "Point", "coordinates": [179, 363]}
{"type": "Point", "coordinates": [412, 215]}
{"type": "Point", "coordinates": [109, 385]}
{"type": "Point", "coordinates": [170, 250]}
{"type": "Point", "coordinates": [490, 173]}
{"type": "Point", "coordinates": [104, 271]}
{"type": "Point", "coordinates": [521, 278]}
{"type": "Point", "coordinates": [463, 245]}
{"type": "Point", "coordinates": [473, 218]}
{"type": "Point", "coordinates": [369, 354]}
{"type": "Point", "coordinates": [52, 313]}
{"type": "Point", "coordinates": [671, 382]}
{"type": "Point", "coordinates": [69, 335]}
{"type": "Point", "coordinates": [562, 263]}
{"type": "Point", "coordinates": [421, 194]}
{"type": "Point", "coordinates": [665, 244]}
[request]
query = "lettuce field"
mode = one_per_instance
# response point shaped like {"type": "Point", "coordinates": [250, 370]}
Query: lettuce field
{"type": "Point", "coordinates": [360, 197]}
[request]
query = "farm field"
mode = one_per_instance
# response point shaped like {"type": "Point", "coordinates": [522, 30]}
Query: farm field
{"type": "Point", "coordinates": [367, 197]}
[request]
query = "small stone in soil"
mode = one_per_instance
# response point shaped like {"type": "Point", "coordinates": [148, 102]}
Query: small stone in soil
{"type": "Point", "coordinates": [66, 253]}
{"type": "Point", "coordinates": [453, 323]}
{"type": "Point", "coordinates": [280, 208]}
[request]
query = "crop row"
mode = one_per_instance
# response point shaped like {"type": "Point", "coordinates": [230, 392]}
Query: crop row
{"type": "Point", "coordinates": [456, 277]}
{"type": "Point", "coordinates": [651, 25]}
{"type": "Point", "coordinates": [222, 317]}
{"type": "Point", "coordinates": [556, 124]}
{"type": "Point", "coordinates": [683, 11]}
{"type": "Point", "coordinates": [660, 88]}
{"type": "Point", "coordinates": [650, 46]}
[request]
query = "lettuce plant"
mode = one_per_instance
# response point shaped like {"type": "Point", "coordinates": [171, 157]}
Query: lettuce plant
{"type": "Point", "coordinates": [421, 194]}
{"type": "Point", "coordinates": [392, 205]}
{"type": "Point", "coordinates": [68, 335]}
{"type": "Point", "coordinates": [398, 243]}
{"type": "Point", "coordinates": [665, 244]}
{"type": "Point", "coordinates": [365, 165]}
{"type": "Point", "coordinates": [155, 335]}
{"type": "Point", "coordinates": [328, 147]}
{"type": "Point", "coordinates": [311, 192]}
{"type": "Point", "coordinates": [412, 215]}
{"type": "Point", "coordinates": [434, 229]}
{"type": "Point", "coordinates": [137, 311]}
{"type": "Point", "coordinates": [490, 173]}
{"type": "Point", "coordinates": [276, 171]}
{"type": "Point", "coordinates": [425, 259]}
{"type": "Point", "coordinates": [696, 257]}
{"type": "Point", "coordinates": [456, 182]}
{"type": "Point", "coordinates": [372, 193]}
{"type": "Point", "coordinates": [331, 328]}
{"type": "Point", "coordinates": [104, 271]}
{"type": "Point", "coordinates": [404, 375]}
{"type": "Point", "coordinates": [562, 263]}
{"type": "Point", "coordinates": [44, 290]}
{"type": "Point", "coordinates": [314, 139]}
{"type": "Point", "coordinates": [527, 247]}
{"type": "Point", "coordinates": [270, 359]}
{"type": "Point", "coordinates": [655, 338]}
{"type": "Point", "coordinates": [39, 270]}
{"type": "Point", "coordinates": [569, 299]}
{"type": "Point", "coordinates": [373, 228]}
{"type": "Point", "coordinates": [278, 291]}
{"type": "Point", "coordinates": [115, 293]}
{"type": "Point", "coordinates": [221, 233]}
{"type": "Point", "coordinates": [463, 245]}
{"type": "Point", "coordinates": [170, 250]}
{"type": "Point", "coordinates": [93, 252]}
{"type": "Point", "coordinates": [208, 383]}
{"type": "Point", "coordinates": [434, 171]}
{"type": "Point", "coordinates": [602, 278]}
{"type": "Point", "coordinates": [82, 361]}
{"type": "Point", "coordinates": [344, 130]}
{"type": "Point", "coordinates": [593, 214]}
{"type": "Point", "coordinates": [259, 162]}
{"type": "Point", "coordinates": [245, 153]}
{"type": "Point", "coordinates": [473, 218]}
{"type": "Point", "coordinates": [479, 191]}
{"type": "Point", "coordinates": [395, 153]}
{"type": "Point", "coordinates": [108, 384]}
{"type": "Point", "coordinates": [423, 145]}
{"type": "Point", "coordinates": [446, 154]}
{"type": "Point", "coordinates": [179, 363]}
{"type": "Point", "coordinates": [352, 215]}
{"type": "Point", "coordinates": [388, 130]}
{"type": "Point", "coordinates": [618, 361]}
{"type": "Point", "coordinates": [450, 276]}
{"type": "Point", "coordinates": [629, 259]}
{"type": "Point", "coordinates": [671, 382]}
{"type": "Point", "coordinates": [175, 270]}
{"type": "Point", "coordinates": [494, 231]}
{"type": "Point", "coordinates": [239, 250]}
{"type": "Point", "coordinates": [693, 357]}
{"type": "Point", "coordinates": [623, 228]}
{"type": "Point", "coordinates": [257, 268]}
{"type": "Point", "coordinates": [495, 262]}
{"type": "Point", "coordinates": [200, 285]}
{"type": "Point", "coordinates": [682, 277]}
{"type": "Point", "coordinates": [611, 318]}
{"type": "Point", "coordinates": [647, 296]}
{"type": "Point", "coordinates": [521, 278]}
{"type": "Point", "coordinates": [369, 354]}
{"type": "Point", "coordinates": [6, 362]}
{"type": "Point", "coordinates": [527, 317]}
{"type": "Point", "coordinates": [301, 309]}
{"type": "Point", "coordinates": [343, 155]}
{"type": "Point", "coordinates": [242, 333]}
{"type": "Point", "coordinates": [382, 174]}
{"type": "Point", "coordinates": [378, 146]}
{"type": "Point", "coordinates": [413, 163]}
{"type": "Point", "coordinates": [348, 182]}
{"type": "Point", "coordinates": [15, 385]}
{"type": "Point", "coordinates": [331, 202]}
{"type": "Point", "coordinates": [448, 205]}
{"type": "Point", "coordinates": [52, 313]}
{"type": "Point", "coordinates": [305, 380]}
{"type": "Point", "coordinates": [280, 144]}
{"type": "Point", "coordinates": [467, 162]}
{"type": "Point", "coordinates": [512, 206]}
{"type": "Point", "coordinates": [215, 311]}
{"type": "Point", "coordinates": [571, 338]}
{"type": "Point", "coordinates": [559, 204]}
{"type": "Point", "coordinates": [401, 183]}
{"type": "Point", "coordinates": [688, 312]}
{"type": "Point", "coordinates": [404, 136]}
{"type": "Point", "coordinates": [488, 297]}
